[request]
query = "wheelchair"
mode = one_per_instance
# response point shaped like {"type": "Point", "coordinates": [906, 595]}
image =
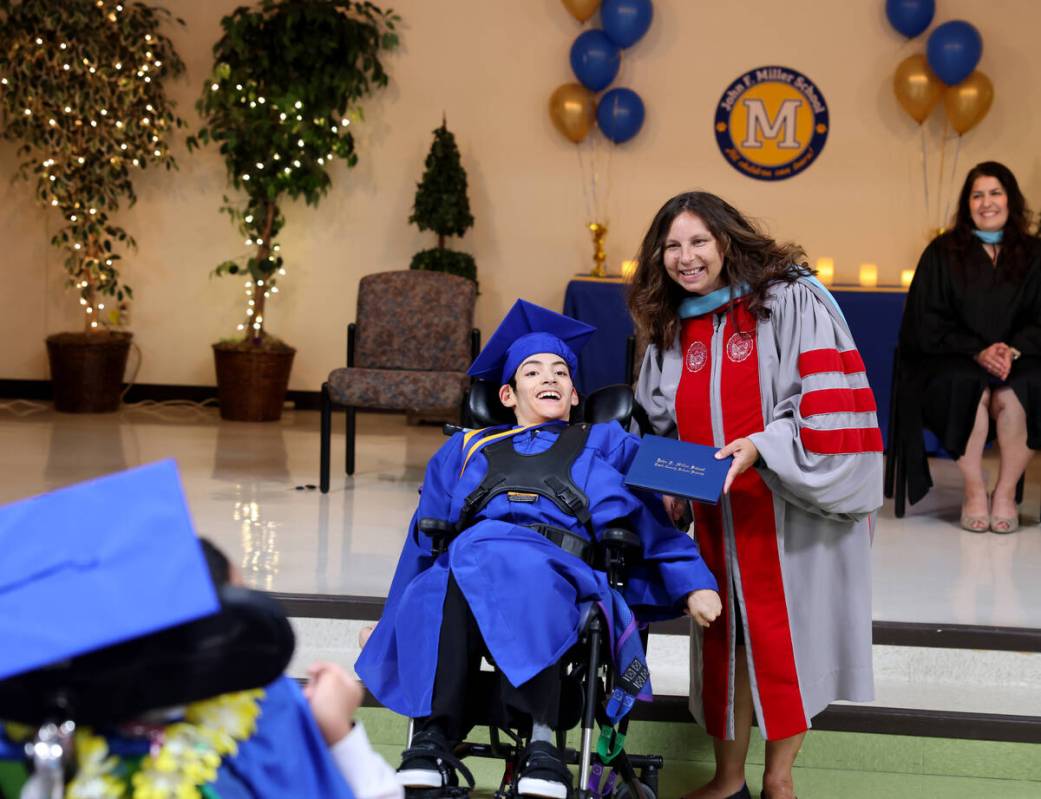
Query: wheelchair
{"type": "Point", "coordinates": [605, 769]}
{"type": "Point", "coordinates": [247, 644]}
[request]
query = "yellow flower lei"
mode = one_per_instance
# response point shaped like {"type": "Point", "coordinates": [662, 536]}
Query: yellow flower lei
{"type": "Point", "coordinates": [188, 758]}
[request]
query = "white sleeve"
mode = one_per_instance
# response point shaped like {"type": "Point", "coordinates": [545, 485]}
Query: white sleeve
{"type": "Point", "coordinates": [368, 775]}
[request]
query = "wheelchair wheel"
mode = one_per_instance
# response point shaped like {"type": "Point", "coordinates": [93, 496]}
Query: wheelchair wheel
{"type": "Point", "coordinates": [623, 791]}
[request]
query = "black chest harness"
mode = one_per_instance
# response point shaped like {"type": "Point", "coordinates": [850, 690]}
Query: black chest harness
{"type": "Point", "coordinates": [525, 478]}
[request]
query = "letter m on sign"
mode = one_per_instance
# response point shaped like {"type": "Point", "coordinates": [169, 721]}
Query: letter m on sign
{"type": "Point", "coordinates": [784, 122]}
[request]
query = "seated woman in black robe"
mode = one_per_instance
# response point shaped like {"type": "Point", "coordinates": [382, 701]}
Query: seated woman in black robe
{"type": "Point", "coordinates": [972, 339]}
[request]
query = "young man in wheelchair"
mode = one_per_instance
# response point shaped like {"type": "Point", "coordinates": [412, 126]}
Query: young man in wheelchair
{"type": "Point", "coordinates": [519, 510]}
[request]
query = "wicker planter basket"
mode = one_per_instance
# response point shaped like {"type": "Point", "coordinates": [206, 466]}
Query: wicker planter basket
{"type": "Point", "coordinates": [252, 384]}
{"type": "Point", "coordinates": [87, 370]}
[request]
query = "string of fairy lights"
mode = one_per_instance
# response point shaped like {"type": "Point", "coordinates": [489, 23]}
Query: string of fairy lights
{"type": "Point", "coordinates": [113, 91]}
{"type": "Point", "coordinates": [134, 133]}
{"type": "Point", "coordinates": [292, 155]}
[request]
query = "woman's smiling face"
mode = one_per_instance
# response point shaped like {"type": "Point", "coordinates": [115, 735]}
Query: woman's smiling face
{"type": "Point", "coordinates": [988, 203]}
{"type": "Point", "coordinates": [691, 255]}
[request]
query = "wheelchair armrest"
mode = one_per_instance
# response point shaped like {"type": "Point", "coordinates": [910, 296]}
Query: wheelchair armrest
{"type": "Point", "coordinates": [620, 549]}
{"type": "Point", "coordinates": [621, 539]}
{"type": "Point", "coordinates": [439, 531]}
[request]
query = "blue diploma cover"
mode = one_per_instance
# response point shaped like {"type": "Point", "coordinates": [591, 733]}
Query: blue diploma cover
{"type": "Point", "coordinates": [679, 468]}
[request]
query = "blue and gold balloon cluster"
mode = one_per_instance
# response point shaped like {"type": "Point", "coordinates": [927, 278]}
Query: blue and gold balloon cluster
{"type": "Point", "coordinates": [596, 56]}
{"type": "Point", "coordinates": [947, 71]}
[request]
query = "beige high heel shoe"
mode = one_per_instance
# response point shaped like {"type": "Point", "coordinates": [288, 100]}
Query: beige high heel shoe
{"type": "Point", "coordinates": [976, 524]}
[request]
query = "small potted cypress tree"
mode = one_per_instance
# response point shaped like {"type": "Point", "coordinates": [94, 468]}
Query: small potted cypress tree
{"type": "Point", "coordinates": [284, 91]}
{"type": "Point", "coordinates": [441, 205]}
{"type": "Point", "coordinates": [83, 90]}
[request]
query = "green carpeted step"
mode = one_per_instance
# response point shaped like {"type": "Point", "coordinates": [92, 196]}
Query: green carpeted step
{"type": "Point", "coordinates": [686, 746]}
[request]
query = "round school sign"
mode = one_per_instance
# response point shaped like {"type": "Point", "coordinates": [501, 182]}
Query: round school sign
{"type": "Point", "coordinates": [771, 123]}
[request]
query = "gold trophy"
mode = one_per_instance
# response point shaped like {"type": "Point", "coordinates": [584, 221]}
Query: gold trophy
{"type": "Point", "coordinates": [599, 231]}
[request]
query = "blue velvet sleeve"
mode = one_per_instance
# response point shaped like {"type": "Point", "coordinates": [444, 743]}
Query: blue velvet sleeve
{"type": "Point", "coordinates": [286, 756]}
{"type": "Point", "coordinates": [435, 502]}
{"type": "Point", "coordinates": [672, 567]}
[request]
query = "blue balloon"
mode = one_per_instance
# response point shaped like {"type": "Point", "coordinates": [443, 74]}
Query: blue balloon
{"type": "Point", "coordinates": [595, 59]}
{"type": "Point", "coordinates": [620, 114]}
{"type": "Point", "coordinates": [954, 50]}
{"type": "Point", "coordinates": [910, 17]}
{"type": "Point", "coordinates": [626, 21]}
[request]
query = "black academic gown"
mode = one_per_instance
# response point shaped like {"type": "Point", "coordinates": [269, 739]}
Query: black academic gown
{"type": "Point", "coordinates": [957, 307]}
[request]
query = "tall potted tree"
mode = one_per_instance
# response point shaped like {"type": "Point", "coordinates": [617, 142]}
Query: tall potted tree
{"type": "Point", "coordinates": [82, 89]}
{"type": "Point", "coordinates": [284, 91]}
{"type": "Point", "coordinates": [441, 205]}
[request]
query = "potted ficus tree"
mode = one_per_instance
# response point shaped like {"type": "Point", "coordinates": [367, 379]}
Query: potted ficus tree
{"type": "Point", "coordinates": [284, 91]}
{"type": "Point", "coordinates": [82, 88]}
{"type": "Point", "coordinates": [441, 205]}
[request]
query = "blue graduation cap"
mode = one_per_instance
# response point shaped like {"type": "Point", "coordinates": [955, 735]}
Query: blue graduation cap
{"type": "Point", "coordinates": [96, 564]}
{"type": "Point", "coordinates": [526, 330]}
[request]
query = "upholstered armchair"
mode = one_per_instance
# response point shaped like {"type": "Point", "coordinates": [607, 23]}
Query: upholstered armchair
{"type": "Point", "coordinates": [407, 350]}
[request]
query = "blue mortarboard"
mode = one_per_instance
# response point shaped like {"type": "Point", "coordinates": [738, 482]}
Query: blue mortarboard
{"type": "Point", "coordinates": [96, 564]}
{"type": "Point", "coordinates": [526, 330]}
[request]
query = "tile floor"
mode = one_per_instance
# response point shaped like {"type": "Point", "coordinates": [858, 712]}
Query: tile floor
{"type": "Point", "coordinates": [243, 482]}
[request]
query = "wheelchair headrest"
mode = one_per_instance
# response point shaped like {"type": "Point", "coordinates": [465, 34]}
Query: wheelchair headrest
{"type": "Point", "coordinates": [247, 644]}
{"type": "Point", "coordinates": [483, 405]}
{"type": "Point", "coordinates": [610, 403]}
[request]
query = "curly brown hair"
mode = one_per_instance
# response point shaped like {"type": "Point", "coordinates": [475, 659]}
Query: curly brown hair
{"type": "Point", "coordinates": [1017, 239]}
{"type": "Point", "coordinates": [749, 257]}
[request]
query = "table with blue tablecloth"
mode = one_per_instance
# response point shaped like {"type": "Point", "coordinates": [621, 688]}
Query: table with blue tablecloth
{"type": "Point", "coordinates": [873, 316]}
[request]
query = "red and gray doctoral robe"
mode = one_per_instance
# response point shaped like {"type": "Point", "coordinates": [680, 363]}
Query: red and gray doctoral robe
{"type": "Point", "coordinates": [792, 540]}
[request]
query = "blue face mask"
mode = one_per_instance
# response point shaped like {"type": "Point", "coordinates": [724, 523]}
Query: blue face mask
{"type": "Point", "coordinates": [989, 236]}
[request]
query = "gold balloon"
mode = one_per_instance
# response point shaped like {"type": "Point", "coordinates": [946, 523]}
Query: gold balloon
{"type": "Point", "coordinates": [917, 87]}
{"type": "Point", "coordinates": [581, 9]}
{"type": "Point", "coordinates": [968, 102]}
{"type": "Point", "coordinates": [572, 107]}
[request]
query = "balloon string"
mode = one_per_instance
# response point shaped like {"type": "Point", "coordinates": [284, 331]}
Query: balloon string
{"type": "Point", "coordinates": [583, 173]}
{"type": "Point", "coordinates": [598, 169]}
{"type": "Point", "coordinates": [593, 170]}
{"type": "Point", "coordinates": [925, 171]}
{"type": "Point", "coordinates": [606, 210]}
{"type": "Point", "coordinates": [939, 175]}
{"type": "Point", "coordinates": [954, 175]}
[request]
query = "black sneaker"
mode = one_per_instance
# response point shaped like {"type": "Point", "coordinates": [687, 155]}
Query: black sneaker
{"type": "Point", "coordinates": [543, 773]}
{"type": "Point", "coordinates": [428, 763]}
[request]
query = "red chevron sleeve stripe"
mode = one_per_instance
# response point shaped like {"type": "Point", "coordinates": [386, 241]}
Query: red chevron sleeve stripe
{"type": "Point", "coordinates": [814, 362]}
{"type": "Point", "coordinates": [845, 441]}
{"type": "Point", "coordinates": [837, 400]}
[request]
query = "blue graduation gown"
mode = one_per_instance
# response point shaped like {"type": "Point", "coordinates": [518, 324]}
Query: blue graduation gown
{"type": "Point", "coordinates": [285, 756]}
{"type": "Point", "coordinates": [525, 592]}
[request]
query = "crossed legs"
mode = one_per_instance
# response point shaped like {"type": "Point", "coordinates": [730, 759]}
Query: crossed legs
{"type": "Point", "coordinates": [1011, 424]}
{"type": "Point", "coordinates": [1010, 419]}
{"type": "Point", "coordinates": [974, 510]}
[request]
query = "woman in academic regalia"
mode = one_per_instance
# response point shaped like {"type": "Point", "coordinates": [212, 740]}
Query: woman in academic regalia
{"type": "Point", "coordinates": [971, 343]}
{"type": "Point", "coordinates": [749, 353]}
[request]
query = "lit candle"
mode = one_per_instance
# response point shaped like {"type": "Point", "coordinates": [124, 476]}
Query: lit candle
{"type": "Point", "coordinates": [628, 269]}
{"type": "Point", "coordinates": [869, 275]}
{"type": "Point", "coordinates": [826, 270]}
{"type": "Point", "coordinates": [906, 276]}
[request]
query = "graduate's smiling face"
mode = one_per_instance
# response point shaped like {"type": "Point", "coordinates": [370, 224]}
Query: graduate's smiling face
{"type": "Point", "coordinates": [988, 203]}
{"type": "Point", "coordinates": [691, 255]}
{"type": "Point", "coordinates": [544, 391]}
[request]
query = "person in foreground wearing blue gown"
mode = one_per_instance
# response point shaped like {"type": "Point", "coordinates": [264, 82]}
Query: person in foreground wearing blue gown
{"type": "Point", "coordinates": [109, 608]}
{"type": "Point", "coordinates": [511, 582]}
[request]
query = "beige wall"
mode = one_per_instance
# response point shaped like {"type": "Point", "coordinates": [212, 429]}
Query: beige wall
{"type": "Point", "coordinates": [491, 65]}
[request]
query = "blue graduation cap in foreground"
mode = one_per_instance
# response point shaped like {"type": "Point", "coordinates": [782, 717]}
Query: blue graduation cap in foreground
{"type": "Point", "coordinates": [96, 564]}
{"type": "Point", "coordinates": [526, 330]}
